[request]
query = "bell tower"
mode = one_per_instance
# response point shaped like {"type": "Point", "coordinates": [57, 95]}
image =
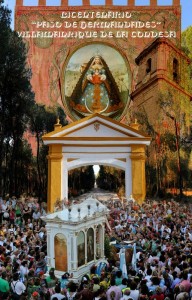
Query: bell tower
{"type": "Point", "coordinates": [161, 66]}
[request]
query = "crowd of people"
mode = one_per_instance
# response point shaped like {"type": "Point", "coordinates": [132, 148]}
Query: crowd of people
{"type": "Point", "coordinates": [161, 268]}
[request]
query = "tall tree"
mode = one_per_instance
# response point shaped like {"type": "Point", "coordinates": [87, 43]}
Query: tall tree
{"type": "Point", "coordinates": [186, 39]}
{"type": "Point", "coordinates": [42, 120]}
{"type": "Point", "coordinates": [15, 96]}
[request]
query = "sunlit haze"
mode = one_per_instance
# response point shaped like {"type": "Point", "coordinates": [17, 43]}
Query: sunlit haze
{"type": "Point", "coordinates": [96, 169]}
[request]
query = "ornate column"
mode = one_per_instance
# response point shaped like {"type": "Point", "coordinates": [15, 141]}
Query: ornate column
{"type": "Point", "coordinates": [138, 172]}
{"type": "Point", "coordinates": [48, 248]}
{"type": "Point", "coordinates": [54, 175]}
{"type": "Point", "coordinates": [85, 246]}
{"type": "Point", "coordinates": [64, 176]}
{"type": "Point", "coordinates": [75, 252]}
{"type": "Point", "coordinates": [52, 248]}
{"type": "Point", "coordinates": [128, 178]}
{"type": "Point", "coordinates": [103, 241]}
{"type": "Point", "coordinates": [95, 242]}
{"type": "Point", "coordinates": [71, 252]}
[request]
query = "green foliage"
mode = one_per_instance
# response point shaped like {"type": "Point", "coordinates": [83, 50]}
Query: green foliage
{"type": "Point", "coordinates": [101, 178]}
{"type": "Point", "coordinates": [41, 121]}
{"type": "Point", "coordinates": [20, 114]}
{"type": "Point", "coordinates": [89, 178]}
{"type": "Point", "coordinates": [143, 119]}
{"type": "Point", "coordinates": [186, 43]}
{"type": "Point", "coordinates": [151, 180]}
{"type": "Point", "coordinates": [186, 38]}
{"type": "Point", "coordinates": [110, 178]}
{"type": "Point", "coordinates": [168, 139]}
{"type": "Point", "coordinates": [107, 247]}
{"type": "Point", "coordinates": [81, 180]}
{"type": "Point", "coordinates": [24, 163]}
{"type": "Point", "coordinates": [165, 152]}
{"type": "Point", "coordinates": [42, 118]}
{"type": "Point", "coordinates": [16, 97]}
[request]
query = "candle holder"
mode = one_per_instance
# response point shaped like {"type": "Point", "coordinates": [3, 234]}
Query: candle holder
{"type": "Point", "coordinates": [89, 207]}
{"type": "Point", "coordinates": [79, 213]}
{"type": "Point", "coordinates": [69, 216]}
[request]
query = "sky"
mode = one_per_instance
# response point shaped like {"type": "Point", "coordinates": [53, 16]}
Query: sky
{"type": "Point", "coordinates": [186, 6]}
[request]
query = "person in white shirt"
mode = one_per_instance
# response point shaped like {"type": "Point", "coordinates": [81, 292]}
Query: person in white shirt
{"type": "Point", "coordinates": [36, 215]}
{"type": "Point", "coordinates": [57, 293]}
{"type": "Point", "coordinates": [126, 295]}
{"type": "Point", "coordinates": [24, 269]}
{"type": "Point", "coordinates": [13, 201]}
{"type": "Point", "coordinates": [149, 275]}
{"type": "Point", "coordinates": [1, 240]}
{"type": "Point", "coordinates": [134, 293]}
{"type": "Point", "coordinates": [17, 286]}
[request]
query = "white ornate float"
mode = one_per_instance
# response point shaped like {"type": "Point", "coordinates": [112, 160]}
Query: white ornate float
{"type": "Point", "coordinates": [75, 237]}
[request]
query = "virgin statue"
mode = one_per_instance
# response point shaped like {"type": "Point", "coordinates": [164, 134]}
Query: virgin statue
{"type": "Point", "coordinates": [96, 90]}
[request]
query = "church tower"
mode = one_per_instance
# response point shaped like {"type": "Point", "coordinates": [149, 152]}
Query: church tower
{"type": "Point", "coordinates": [162, 68]}
{"type": "Point", "coordinates": [162, 102]}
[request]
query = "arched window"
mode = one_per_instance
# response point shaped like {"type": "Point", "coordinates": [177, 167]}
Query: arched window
{"type": "Point", "coordinates": [60, 245]}
{"type": "Point", "coordinates": [81, 248]}
{"type": "Point", "coordinates": [148, 66]}
{"type": "Point", "coordinates": [175, 70]}
{"type": "Point", "coordinates": [90, 245]}
{"type": "Point", "coordinates": [99, 241]}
